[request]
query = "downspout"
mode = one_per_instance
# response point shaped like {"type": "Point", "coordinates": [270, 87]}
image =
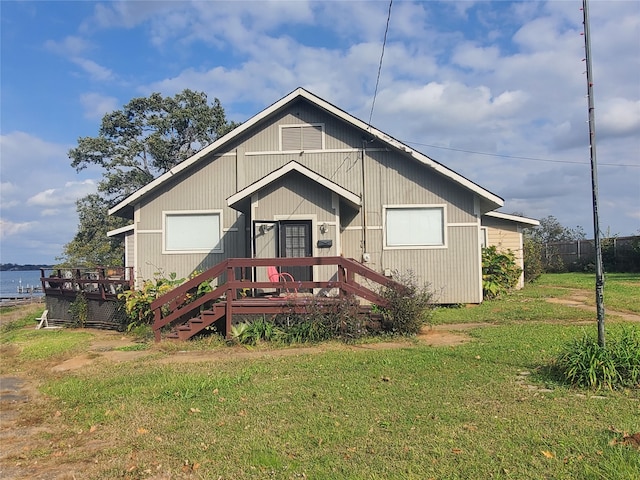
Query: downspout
{"type": "Point", "coordinates": [364, 207]}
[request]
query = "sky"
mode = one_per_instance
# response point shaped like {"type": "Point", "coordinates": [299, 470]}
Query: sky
{"type": "Point", "coordinates": [494, 90]}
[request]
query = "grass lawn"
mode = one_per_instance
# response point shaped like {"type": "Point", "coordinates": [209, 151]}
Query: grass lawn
{"type": "Point", "coordinates": [485, 409]}
{"type": "Point", "coordinates": [621, 290]}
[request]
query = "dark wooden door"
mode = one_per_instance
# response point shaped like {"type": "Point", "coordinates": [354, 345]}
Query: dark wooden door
{"type": "Point", "coordinates": [295, 241]}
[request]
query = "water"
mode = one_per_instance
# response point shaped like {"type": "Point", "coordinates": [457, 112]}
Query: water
{"type": "Point", "coordinates": [10, 281]}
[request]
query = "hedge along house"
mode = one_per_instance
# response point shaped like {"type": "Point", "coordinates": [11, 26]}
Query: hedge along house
{"type": "Point", "coordinates": [305, 178]}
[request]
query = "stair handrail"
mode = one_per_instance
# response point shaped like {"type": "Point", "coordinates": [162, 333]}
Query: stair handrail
{"type": "Point", "coordinates": [347, 268]}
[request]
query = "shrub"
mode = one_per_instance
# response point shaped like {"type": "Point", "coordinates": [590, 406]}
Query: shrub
{"type": "Point", "coordinates": [533, 265]}
{"type": "Point", "coordinates": [79, 310]}
{"type": "Point", "coordinates": [137, 303]}
{"type": "Point", "coordinates": [499, 272]}
{"type": "Point", "coordinates": [585, 363]}
{"type": "Point", "coordinates": [409, 306]}
{"type": "Point", "coordinates": [321, 321]}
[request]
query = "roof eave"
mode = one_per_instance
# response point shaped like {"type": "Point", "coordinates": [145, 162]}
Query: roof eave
{"type": "Point", "coordinates": [532, 222]}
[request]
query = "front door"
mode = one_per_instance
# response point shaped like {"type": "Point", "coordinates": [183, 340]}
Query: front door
{"type": "Point", "coordinates": [295, 241]}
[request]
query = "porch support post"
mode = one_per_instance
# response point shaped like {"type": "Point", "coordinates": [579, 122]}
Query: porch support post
{"type": "Point", "coordinates": [231, 292]}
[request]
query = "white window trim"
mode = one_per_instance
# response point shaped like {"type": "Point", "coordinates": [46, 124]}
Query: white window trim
{"type": "Point", "coordinates": [167, 213]}
{"type": "Point", "coordinates": [441, 206]}
{"type": "Point", "coordinates": [484, 237]}
{"type": "Point", "coordinates": [300, 125]}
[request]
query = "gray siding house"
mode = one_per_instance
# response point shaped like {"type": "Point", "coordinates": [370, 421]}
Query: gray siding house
{"type": "Point", "coordinates": [305, 178]}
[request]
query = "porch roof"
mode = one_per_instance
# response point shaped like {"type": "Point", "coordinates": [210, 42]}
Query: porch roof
{"type": "Point", "coordinates": [237, 199]}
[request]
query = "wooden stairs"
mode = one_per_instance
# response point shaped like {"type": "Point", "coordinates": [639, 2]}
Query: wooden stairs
{"type": "Point", "coordinates": [179, 315]}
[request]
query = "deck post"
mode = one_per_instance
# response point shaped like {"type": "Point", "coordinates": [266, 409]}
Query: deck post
{"type": "Point", "coordinates": [157, 316]}
{"type": "Point", "coordinates": [231, 293]}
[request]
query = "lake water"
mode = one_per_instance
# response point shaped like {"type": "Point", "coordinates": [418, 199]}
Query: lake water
{"type": "Point", "coordinates": [11, 281]}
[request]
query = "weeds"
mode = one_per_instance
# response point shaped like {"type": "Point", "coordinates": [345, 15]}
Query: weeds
{"type": "Point", "coordinates": [585, 363]}
{"type": "Point", "coordinates": [409, 306]}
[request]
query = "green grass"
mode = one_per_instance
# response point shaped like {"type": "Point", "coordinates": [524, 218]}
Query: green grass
{"type": "Point", "coordinates": [46, 344]}
{"type": "Point", "coordinates": [443, 413]}
{"type": "Point", "coordinates": [491, 408]}
{"type": "Point", "coordinates": [621, 290]}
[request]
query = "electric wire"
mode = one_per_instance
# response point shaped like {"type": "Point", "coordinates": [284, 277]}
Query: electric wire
{"type": "Point", "coordinates": [384, 42]}
{"type": "Point", "coordinates": [516, 157]}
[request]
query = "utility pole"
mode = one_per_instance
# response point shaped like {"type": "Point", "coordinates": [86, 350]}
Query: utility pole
{"type": "Point", "coordinates": [594, 179]}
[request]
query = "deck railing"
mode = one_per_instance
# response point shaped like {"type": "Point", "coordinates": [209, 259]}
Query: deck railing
{"type": "Point", "coordinates": [102, 282]}
{"type": "Point", "coordinates": [233, 275]}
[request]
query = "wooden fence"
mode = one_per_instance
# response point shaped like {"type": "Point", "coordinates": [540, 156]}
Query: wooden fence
{"type": "Point", "coordinates": [619, 254]}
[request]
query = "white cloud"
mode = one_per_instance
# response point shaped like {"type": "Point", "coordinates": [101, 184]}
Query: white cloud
{"type": "Point", "coordinates": [61, 197]}
{"type": "Point", "coordinates": [619, 117]}
{"type": "Point", "coordinates": [97, 105]}
{"type": "Point", "coordinates": [95, 71]}
{"type": "Point", "coordinates": [71, 45]}
{"type": "Point", "coordinates": [11, 229]}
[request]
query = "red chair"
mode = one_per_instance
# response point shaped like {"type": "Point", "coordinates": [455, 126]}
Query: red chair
{"type": "Point", "coordinates": [281, 277]}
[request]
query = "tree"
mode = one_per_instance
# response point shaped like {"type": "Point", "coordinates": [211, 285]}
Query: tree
{"type": "Point", "coordinates": [148, 137]}
{"type": "Point", "coordinates": [537, 256]}
{"type": "Point", "coordinates": [90, 245]}
{"type": "Point", "coordinates": [551, 230]}
{"type": "Point", "coordinates": [135, 144]}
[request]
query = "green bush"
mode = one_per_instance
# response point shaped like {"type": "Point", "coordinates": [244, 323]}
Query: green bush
{"type": "Point", "coordinates": [499, 272]}
{"type": "Point", "coordinates": [321, 321]}
{"type": "Point", "coordinates": [533, 264]}
{"type": "Point", "coordinates": [137, 303]}
{"type": "Point", "coordinates": [409, 305]}
{"type": "Point", "coordinates": [584, 363]}
{"type": "Point", "coordinates": [79, 310]}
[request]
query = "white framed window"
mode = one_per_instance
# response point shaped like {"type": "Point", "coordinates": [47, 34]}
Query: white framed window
{"type": "Point", "coordinates": [192, 231]}
{"type": "Point", "coordinates": [484, 242]}
{"type": "Point", "coordinates": [302, 137]}
{"type": "Point", "coordinates": [415, 226]}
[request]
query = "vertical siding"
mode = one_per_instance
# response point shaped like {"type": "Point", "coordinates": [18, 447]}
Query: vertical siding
{"type": "Point", "coordinates": [149, 246]}
{"type": "Point", "coordinates": [204, 188]}
{"type": "Point", "coordinates": [390, 178]}
{"type": "Point", "coordinates": [130, 250]}
{"type": "Point", "coordinates": [506, 235]}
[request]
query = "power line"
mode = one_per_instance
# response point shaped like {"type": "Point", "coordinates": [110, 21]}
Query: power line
{"type": "Point", "coordinates": [384, 42]}
{"type": "Point", "coordinates": [518, 157]}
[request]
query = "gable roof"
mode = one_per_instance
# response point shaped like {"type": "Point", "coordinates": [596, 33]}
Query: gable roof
{"type": "Point", "coordinates": [293, 166]}
{"type": "Point", "coordinates": [491, 201]}
{"type": "Point", "coordinates": [532, 222]}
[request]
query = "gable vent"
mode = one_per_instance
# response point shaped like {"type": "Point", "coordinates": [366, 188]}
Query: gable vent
{"type": "Point", "coordinates": [301, 137]}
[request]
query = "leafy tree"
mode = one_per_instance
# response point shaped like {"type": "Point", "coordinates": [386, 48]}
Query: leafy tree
{"type": "Point", "coordinates": [551, 230]}
{"type": "Point", "coordinates": [90, 245]}
{"type": "Point", "coordinates": [134, 145]}
{"type": "Point", "coordinates": [148, 137]}
{"type": "Point", "coordinates": [536, 251]}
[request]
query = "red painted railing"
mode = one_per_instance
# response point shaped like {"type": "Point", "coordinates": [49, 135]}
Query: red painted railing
{"type": "Point", "coordinates": [233, 275]}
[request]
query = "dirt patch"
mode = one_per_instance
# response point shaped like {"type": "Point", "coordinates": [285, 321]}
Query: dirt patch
{"type": "Point", "coordinates": [578, 300]}
{"type": "Point", "coordinates": [437, 337]}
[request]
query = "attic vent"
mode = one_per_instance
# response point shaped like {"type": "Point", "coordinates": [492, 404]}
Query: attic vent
{"type": "Point", "coordinates": [301, 137]}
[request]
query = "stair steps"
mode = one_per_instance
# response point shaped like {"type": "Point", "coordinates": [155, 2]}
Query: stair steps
{"type": "Point", "coordinates": [197, 324]}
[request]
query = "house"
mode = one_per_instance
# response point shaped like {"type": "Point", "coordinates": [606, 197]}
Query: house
{"type": "Point", "coordinates": [505, 232]}
{"type": "Point", "coordinates": [304, 178]}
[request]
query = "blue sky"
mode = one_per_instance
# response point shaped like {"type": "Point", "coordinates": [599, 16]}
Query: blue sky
{"type": "Point", "coordinates": [474, 85]}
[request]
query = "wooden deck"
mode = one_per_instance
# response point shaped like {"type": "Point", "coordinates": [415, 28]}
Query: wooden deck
{"type": "Point", "coordinates": [103, 283]}
{"type": "Point", "coordinates": [179, 314]}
